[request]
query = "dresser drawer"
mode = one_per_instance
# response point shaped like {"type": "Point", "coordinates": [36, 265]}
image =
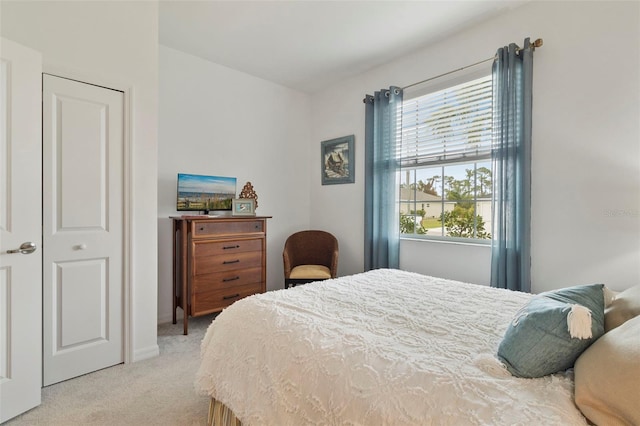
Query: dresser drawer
{"type": "Point", "coordinates": [216, 299]}
{"type": "Point", "coordinates": [217, 248]}
{"type": "Point", "coordinates": [227, 227]}
{"type": "Point", "coordinates": [221, 280]}
{"type": "Point", "coordinates": [227, 262]}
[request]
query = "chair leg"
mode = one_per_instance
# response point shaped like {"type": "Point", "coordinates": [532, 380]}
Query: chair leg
{"type": "Point", "coordinates": [293, 282]}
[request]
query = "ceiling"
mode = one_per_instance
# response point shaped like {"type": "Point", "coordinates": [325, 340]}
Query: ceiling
{"type": "Point", "coordinates": [306, 45]}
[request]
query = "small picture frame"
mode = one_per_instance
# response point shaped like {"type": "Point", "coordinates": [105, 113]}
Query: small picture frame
{"type": "Point", "coordinates": [337, 161]}
{"type": "Point", "coordinates": [243, 207]}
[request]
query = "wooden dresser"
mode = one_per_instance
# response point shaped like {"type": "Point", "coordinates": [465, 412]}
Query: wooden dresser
{"type": "Point", "coordinates": [216, 261]}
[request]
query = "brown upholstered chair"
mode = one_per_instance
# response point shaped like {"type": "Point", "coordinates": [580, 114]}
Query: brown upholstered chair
{"type": "Point", "coordinates": [309, 256]}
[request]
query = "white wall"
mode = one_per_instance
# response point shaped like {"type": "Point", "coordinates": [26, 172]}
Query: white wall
{"type": "Point", "coordinates": [586, 151]}
{"type": "Point", "coordinates": [113, 44]}
{"type": "Point", "coordinates": [217, 121]}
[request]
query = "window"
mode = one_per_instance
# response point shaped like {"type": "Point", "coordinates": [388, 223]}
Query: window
{"type": "Point", "coordinates": [445, 160]}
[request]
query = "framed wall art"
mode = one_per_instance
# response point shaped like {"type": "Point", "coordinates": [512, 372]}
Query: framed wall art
{"type": "Point", "coordinates": [338, 160]}
{"type": "Point", "coordinates": [243, 207]}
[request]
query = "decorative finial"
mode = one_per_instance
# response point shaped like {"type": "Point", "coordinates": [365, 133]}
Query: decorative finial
{"type": "Point", "coordinates": [248, 192]}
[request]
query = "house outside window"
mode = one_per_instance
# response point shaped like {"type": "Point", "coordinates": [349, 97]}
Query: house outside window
{"type": "Point", "coordinates": [445, 157]}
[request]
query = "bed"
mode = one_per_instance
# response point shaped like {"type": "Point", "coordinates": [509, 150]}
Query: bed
{"type": "Point", "coordinates": [385, 347]}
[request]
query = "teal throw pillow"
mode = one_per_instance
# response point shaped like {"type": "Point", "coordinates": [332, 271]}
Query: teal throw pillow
{"type": "Point", "coordinates": [549, 333]}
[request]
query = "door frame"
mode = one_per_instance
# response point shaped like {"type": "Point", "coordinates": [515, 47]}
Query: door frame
{"type": "Point", "coordinates": [127, 89]}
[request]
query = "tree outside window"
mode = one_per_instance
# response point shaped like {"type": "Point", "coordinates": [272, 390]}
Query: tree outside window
{"type": "Point", "coordinates": [447, 201]}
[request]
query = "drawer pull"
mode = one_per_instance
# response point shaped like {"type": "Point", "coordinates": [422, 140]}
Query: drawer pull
{"type": "Point", "coordinates": [230, 247]}
{"type": "Point", "coordinates": [233, 296]}
{"type": "Point", "coordinates": [227, 262]}
{"type": "Point", "coordinates": [226, 280]}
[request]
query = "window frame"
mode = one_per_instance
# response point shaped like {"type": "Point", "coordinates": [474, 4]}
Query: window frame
{"type": "Point", "coordinates": [447, 81]}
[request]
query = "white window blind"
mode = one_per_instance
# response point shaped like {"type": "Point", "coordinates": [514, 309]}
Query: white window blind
{"type": "Point", "coordinates": [450, 125]}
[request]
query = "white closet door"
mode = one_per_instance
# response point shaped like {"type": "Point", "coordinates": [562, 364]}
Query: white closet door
{"type": "Point", "coordinates": [83, 228]}
{"type": "Point", "coordinates": [20, 222]}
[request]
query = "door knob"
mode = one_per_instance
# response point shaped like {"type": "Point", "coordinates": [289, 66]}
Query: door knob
{"type": "Point", "coordinates": [25, 248]}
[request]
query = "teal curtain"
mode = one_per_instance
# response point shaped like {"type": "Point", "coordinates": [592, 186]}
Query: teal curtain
{"type": "Point", "coordinates": [511, 157]}
{"type": "Point", "coordinates": [382, 220]}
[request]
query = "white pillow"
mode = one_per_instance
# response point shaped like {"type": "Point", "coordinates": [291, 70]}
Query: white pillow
{"type": "Point", "coordinates": [607, 377]}
{"type": "Point", "coordinates": [624, 306]}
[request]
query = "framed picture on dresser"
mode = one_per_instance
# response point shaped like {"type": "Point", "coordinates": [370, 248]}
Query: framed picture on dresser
{"type": "Point", "coordinates": [243, 207]}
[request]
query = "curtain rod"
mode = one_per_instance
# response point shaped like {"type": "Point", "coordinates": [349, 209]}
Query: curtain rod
{"type": "Point", "coordinates": [449, 72]}
{"type": "Point", "coordinates": [535, 44]}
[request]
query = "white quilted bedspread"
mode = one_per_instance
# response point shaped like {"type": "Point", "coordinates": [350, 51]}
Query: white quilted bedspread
{"type": "Point", "coordinates": [385, 347]}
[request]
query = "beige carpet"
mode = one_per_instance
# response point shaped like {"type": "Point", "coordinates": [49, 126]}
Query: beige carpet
{"type": "Point", "coordinates": [158, 391]}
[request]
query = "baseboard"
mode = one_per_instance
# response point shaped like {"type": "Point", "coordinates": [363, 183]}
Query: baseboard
{"type": "Point", "coordinates": [146, 353]}
{"type": "Point", "coordinates": [166, 319]}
